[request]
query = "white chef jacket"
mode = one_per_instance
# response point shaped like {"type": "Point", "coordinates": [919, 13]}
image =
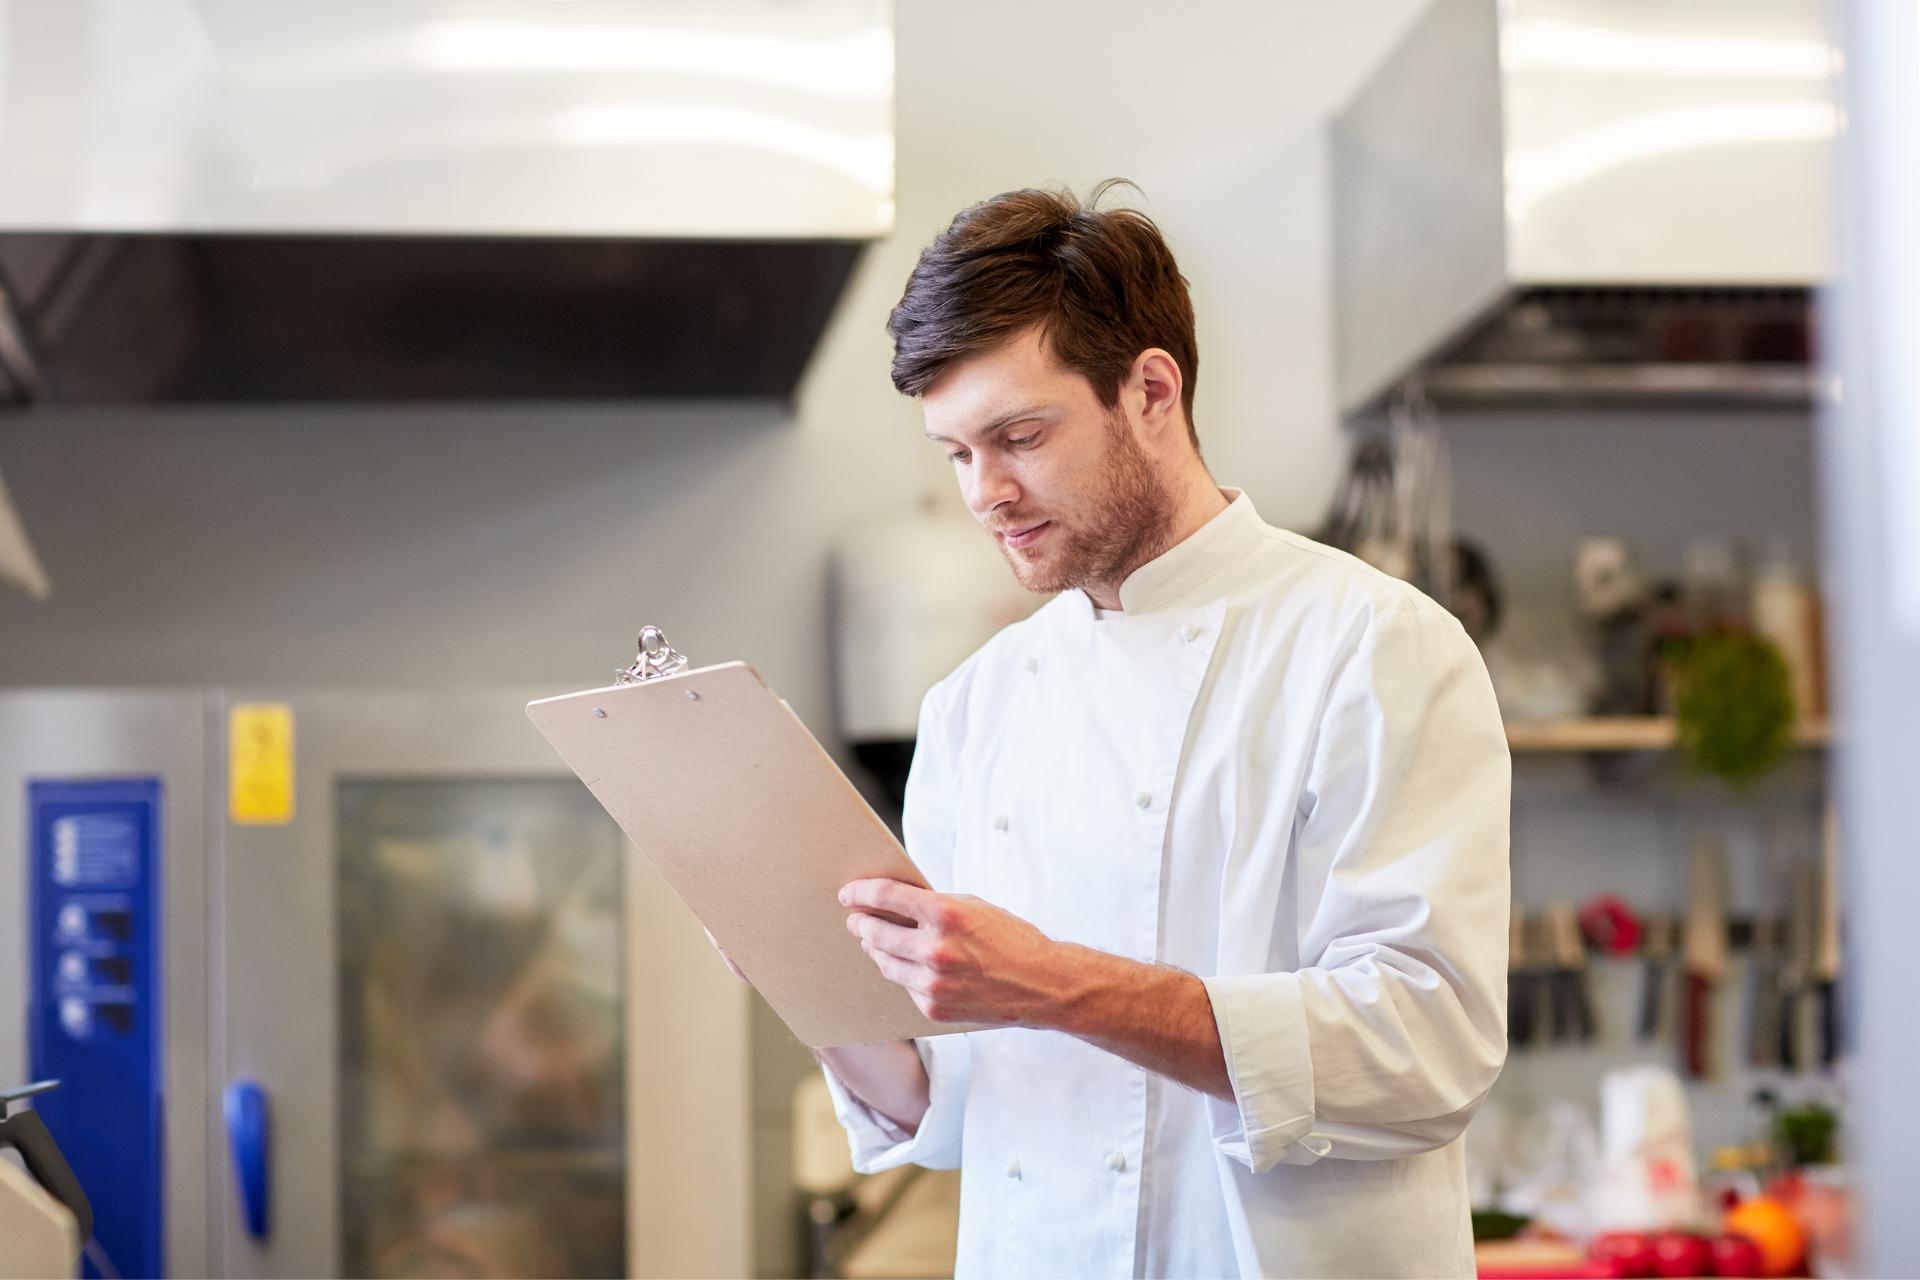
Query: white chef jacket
{"type": "Point", "coordinates": [1285, 772]}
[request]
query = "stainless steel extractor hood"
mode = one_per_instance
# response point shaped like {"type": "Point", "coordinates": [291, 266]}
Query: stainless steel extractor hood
{"type": "Point", "coordinates": [222, 200]}
{"type": "Point", "coordinates": [1587, 200]}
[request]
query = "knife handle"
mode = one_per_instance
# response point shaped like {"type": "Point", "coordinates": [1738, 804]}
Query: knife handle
{"type": "Point", "coordinates": [1699, 992]}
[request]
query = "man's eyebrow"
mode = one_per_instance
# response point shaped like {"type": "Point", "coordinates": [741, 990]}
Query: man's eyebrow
{"type": "Point", "coordinates": [1002, 422]}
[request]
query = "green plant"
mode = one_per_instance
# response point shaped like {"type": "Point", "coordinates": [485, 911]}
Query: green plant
{"type": "Point", "coordinates": [1808, 1133]}
{"type": "Point", "coordinates": [1733, 703]}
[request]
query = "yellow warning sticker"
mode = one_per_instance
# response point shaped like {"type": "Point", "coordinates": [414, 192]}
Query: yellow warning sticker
{"type": "Point", "coordinates": [260, 763]}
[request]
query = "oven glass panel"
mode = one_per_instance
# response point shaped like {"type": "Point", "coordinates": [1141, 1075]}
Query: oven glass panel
{"type": "Point", "coordinates": [482, 1109]}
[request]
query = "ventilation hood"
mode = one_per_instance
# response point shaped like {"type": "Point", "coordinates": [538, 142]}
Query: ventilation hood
{"type": "Point", "coordinates": [224, 200]}
{"type": "Point", "coordinates": [1587, 201]}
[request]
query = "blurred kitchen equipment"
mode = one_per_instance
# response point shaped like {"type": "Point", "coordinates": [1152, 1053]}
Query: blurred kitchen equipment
{"type": "Point", "coordinates": [903, 1222]}
{"type": "Point", "coordinates": [1647, 1179]}
{"type": "Point", "coordinates": [1572, 1002]}
{"type": "Point", "coordinates": [914, 596]}
{"type": "Point", "coordinates": [1520, 983]}
{"type": "Point", "coordinates": [1611, 599]}
{"type": "Point", "coordinates": [1704, 953]}
{"type": "Point", "coordinates": [1786, 611]}
{"type": "Point", "coordinates": [1657, 949]}
{"type": "Point", "coordinates": [1394, 509]}
{"type": "Point", "coordinates": [1552, 1157]}
{"type": "Point", "coordinates": [1800, 1000]}
{"type": "Point", "coordinates": [444, 968]}
{"type": "Point", "coordinates": [1763, 1008]}
{"type": "Point", "coordinates": [1714, 584]}
{"type": "Point", "coordinates": [1363, 514]}
{"type": "Point", "coordinates": [1828, 951]}
{"type": "Point", "coordinates": [1537, 681]}
{"type": "Point", "coordinates": [547, 202]}
{"type": "Point", "coordinates": [1608, 923]}
{"type": "Point", "coordinates": [18, 564]}
{"type": "Point", "coordinates": [1512, 224]}
{"type": "Point", "coordinates": [1605, 582]}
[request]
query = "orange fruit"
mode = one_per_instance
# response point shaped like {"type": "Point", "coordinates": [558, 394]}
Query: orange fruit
{"type": "Point", "coordinates": [1774, 1231]}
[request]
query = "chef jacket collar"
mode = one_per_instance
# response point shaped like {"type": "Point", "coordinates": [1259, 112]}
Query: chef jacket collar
{"type": "Point", "coordinates": [1188, 565]}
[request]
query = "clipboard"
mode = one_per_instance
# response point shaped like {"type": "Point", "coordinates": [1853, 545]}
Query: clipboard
{"type": "Point", "coordinates": [719, 784]}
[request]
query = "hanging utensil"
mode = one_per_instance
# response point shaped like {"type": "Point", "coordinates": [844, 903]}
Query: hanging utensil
{"type": "Point", "coordinates": [1800, 1005]}
{"type": "Point", "coordinates": [1704, 949]}
{"type": "Point", "coordinates": [1519, 983]}
{"type": "Point", "coordinates": [1763, 1010]}
{"type": "Point", "coordinates": [1826, 963]}
{"type": "Point", "coordinates": [1657, 951]}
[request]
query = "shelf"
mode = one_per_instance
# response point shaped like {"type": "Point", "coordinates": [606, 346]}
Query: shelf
{"type": "Point", "coordinates": [1623, 733]}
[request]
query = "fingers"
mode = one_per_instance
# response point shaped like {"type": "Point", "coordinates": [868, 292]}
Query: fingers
{"type": "Point", "coordinates": [925, 987]}
{"type": "Point", "coordinates": [892, 896]}
{"type": "Point", "coordinates": [882, 935]}
{"type": "Point", "coordinates": [902, 972]}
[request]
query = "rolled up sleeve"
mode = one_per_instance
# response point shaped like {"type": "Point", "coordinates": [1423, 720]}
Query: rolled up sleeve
{"type": "Point", "coordinates": [878, 1143]}
{"type": "Point", "coordinates": [1391, 1033]}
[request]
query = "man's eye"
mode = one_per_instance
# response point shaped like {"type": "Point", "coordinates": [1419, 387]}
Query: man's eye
{"type": "Point", "coordinates": [1022, 441]}
{"type": "Point", "coordinates": [958, 455]}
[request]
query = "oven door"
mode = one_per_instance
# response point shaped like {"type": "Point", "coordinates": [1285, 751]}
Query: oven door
{"type": "Point", "coordinates": [460, 1028]}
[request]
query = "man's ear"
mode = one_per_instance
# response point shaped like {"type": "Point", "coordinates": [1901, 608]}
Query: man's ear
{"type": "Point", "coordinates": [1155, 378]}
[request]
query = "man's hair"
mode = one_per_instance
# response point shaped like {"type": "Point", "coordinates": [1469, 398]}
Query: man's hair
{"type": "Point", "coordinates": [1101, 284]}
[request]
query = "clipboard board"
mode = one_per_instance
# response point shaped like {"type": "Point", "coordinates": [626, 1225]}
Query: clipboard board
{"type": "Point", "coordinates": [719, 784]}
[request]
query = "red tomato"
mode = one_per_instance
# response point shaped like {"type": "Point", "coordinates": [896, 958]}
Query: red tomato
{"type": "Point", "coordinates": [1736, 1256]}
{"type": "Point", "coordinates": [1631, 1252]}
{"type": "Point", "coordinates": [1681, 1253]}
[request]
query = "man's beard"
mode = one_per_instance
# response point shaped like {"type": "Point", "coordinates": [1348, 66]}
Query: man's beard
{"type": "Point", "coordinates": [1127, 523]}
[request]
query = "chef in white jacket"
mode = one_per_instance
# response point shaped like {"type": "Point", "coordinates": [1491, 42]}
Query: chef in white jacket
{"type": "Point", "coordinates": [1217, 838]}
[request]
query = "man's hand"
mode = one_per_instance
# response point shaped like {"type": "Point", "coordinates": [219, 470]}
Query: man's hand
{"type": "Point", "coordinates": [962, 960]}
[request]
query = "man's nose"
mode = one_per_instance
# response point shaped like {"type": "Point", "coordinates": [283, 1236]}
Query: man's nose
{"type": "Point", "coordinates": [989, 484]}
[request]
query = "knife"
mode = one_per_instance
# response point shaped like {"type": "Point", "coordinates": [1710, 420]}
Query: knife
{"type": "Point", "coordinates": [1800, 1007]}
{"type": "Point", "coordinates": [1826, 961]}
{"type": "Point", "coordinates": [1657, 949]}
{"type": "Point", "coordinates": [1704, 949]}
{"type": "Point", "coordinates": [1519, 983]}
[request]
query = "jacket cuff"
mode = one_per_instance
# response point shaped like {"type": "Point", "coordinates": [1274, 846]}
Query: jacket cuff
{"type": "Point", "coordinates": [1262, 1021]}
{"type": "Point", "coordinates": [877, 1143]}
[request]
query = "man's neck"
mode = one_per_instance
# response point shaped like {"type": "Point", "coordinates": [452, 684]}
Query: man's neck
{"type": "Point", "coordinates": [1199, 501]}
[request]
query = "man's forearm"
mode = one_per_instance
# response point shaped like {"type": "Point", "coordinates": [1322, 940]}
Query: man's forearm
{"type": "Point", "coordinates": [888, 1076]}
{"type": "Point", "coordinates": [1153, 1015]}
{"type": "Point", "coordinates": [965, 960]}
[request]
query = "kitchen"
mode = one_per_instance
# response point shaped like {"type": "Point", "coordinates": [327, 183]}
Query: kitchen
{"type": "Point", "coordinates": [296, 551]}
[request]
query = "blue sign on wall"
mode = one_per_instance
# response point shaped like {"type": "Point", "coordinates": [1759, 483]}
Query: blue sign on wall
{"type": "Point", "coordinates": [94, 1019]}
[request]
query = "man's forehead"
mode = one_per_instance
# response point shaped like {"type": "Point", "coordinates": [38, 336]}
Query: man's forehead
{"type": "Point", "coordinates": [991, 387]}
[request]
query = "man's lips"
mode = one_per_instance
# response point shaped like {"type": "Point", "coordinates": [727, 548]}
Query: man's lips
{"type": "Point", "coordinates": [1024, 537]}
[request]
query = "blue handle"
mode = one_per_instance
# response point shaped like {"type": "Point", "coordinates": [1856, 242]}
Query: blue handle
{"type": "Point", "coordinates": [246, 1108]}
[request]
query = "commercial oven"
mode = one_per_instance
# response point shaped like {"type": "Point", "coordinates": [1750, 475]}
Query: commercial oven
{"type": "Point", "coordinates": [359, 984]}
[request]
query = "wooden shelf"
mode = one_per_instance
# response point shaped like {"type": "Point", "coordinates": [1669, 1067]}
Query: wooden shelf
{"type": "Point", "coordinates": [1623, 733]}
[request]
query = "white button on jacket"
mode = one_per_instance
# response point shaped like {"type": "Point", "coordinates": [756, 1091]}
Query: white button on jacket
{"type": "Point", "coordinates": [1324, 843]}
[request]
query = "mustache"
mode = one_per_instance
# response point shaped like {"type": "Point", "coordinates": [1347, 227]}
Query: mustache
{"type": "Point", "coordinates": [1013, 526]}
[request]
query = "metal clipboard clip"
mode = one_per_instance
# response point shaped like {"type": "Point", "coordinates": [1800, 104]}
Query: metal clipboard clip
{"type": "Point", "coordinates": [657, 658]}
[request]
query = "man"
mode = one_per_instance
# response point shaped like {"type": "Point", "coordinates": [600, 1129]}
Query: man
{"type": "Point", "coordinates": [1218, 836]}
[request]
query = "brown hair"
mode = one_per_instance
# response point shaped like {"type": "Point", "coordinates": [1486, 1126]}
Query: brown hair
{"type": "Point", "coordinates": [1101, 283]}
